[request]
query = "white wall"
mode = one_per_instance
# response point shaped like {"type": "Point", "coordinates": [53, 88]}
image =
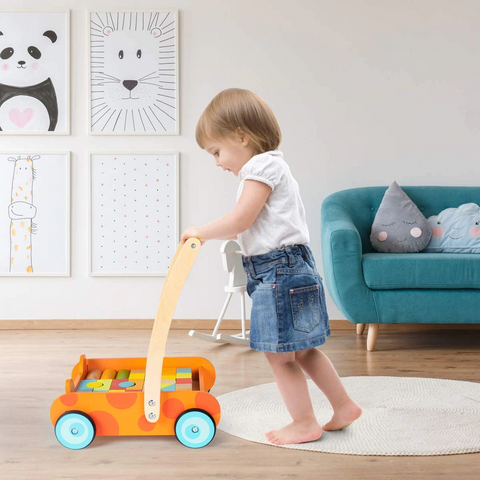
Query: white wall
{"type": "Point", "coordinates": [365, 91]}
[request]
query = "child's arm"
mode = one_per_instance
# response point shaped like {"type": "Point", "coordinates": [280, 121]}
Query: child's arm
{"type": "Point", "coordinates": [241, 218]}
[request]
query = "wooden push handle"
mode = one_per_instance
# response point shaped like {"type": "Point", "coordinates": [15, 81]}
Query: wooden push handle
{"type": "Point", "coordinates": [180, 267]}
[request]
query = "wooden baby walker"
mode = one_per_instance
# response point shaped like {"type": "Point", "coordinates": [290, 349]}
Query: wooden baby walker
{"type": "Point", "coordinates": [156, 395]}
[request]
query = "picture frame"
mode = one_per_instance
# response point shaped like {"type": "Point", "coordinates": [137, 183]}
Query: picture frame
{"type": "Point", "coordinates": [133, 67]}
{"type": "Point", "coordinates": [139, 238]}
{"type": "Point", "coordinates": [35, 191]}
{"type": "Point", "coordinates": [35, 78]}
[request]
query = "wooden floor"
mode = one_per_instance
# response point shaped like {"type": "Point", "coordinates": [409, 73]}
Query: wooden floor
{"type": "Point", "coordinates": [36, 363]}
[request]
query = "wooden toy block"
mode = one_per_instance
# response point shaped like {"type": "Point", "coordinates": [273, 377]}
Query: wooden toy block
{"type": "Point", "coordinates": [184, 381]}
{"type": "Point", "coordinates": [169, 377]}
{"type": "Point", "coordinates": [83, 386]}
{"type": "Point", "coordinates": [126, 384]}
{"type": "Point", "coordinates": [108, 374]}
{"type": "Point", "coordinates": [184, 370]}
{"type": "Point", "coordinates": [93, 384]}
{"type": "Point", "coordinates": [105, 387]}
{"type": "Point", "coordinates": [184, 375]}
{"type": "Point", "coordinates": [123, 374]}
{"type": "Point", "coordinates": [183, 386]}
{"type": "Point", "coordinates": [94, 374]}
{"type": "Point", "coordinates": [168, 388]}
{"type": "Point", "coordinates": [168, 371]}
{"type": "Point", "coordinates": [138, 387]}
{"type": "Point", "coordinates": [115, 386]}
{"type": "Point", "coordinates": [167, 381]}
{"type": "Point", "coordinates": [137, 373]}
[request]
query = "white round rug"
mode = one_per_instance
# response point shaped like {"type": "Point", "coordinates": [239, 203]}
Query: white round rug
{"type": "Point", "coordinates": [401, 416]}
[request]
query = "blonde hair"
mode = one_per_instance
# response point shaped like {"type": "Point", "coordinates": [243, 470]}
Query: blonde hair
{"type": "Point", "coordinates": [235, 111]}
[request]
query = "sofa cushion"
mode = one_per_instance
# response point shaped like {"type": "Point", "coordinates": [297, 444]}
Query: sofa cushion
{"type": "Point", "coordinates": [455, 230]}
{"type": "Point", "coordinates": [399, 226]}
{"type": "Point", "coordinates": [390, 271]}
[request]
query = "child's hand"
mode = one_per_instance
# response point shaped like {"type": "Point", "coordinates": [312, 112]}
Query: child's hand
{"type": "Point", "coordinates": [192, 232]}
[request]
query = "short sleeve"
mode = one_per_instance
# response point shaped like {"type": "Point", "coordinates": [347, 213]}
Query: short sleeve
{"type": "Point", "coordinates": [263, 168]}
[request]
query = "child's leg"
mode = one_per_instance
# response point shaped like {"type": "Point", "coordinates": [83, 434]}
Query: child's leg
{"type": "Point", "coordinates": [321, 370]}
{"type": "Point", "coordinates": [292, 384]}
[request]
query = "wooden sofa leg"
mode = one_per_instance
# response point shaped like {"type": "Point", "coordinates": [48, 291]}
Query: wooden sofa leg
{"type": "Point", "coordinates": [372, 336]}
{"type": "Point", "coordinates": [360, 328]}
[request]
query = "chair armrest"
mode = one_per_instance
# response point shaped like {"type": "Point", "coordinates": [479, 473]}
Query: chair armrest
{"type": "Point", "coordinates": [342, 264]}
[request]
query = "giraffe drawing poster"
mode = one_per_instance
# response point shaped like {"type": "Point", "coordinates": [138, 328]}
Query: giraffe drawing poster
{"type": "Point", "coordinates": [34, 73]}
{"type": "Point", "coordinates": [34, 214]}
{"type": "Point", "coordinates": [134, 72]}
{"type": "Point", "coordinates": [133, 213]}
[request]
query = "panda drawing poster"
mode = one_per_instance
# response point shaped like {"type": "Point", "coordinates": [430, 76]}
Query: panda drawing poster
{"type": "Point", "coordinates": [34, 72]}
{"type": "Point", "coordinates": [134, 72]}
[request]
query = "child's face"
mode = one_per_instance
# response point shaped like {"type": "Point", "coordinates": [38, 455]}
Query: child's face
{"type": "Point", "coordinates": [230, 154]}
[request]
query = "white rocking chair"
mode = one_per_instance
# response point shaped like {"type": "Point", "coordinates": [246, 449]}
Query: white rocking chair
{"type": "Point", "coordinates": [232, 263]}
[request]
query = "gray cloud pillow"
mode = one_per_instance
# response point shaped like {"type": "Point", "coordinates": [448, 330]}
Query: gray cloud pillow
{"type": "Point", "coordinates": [399, 226]}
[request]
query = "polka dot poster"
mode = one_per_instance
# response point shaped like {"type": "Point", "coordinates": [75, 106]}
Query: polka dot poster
{"type": "Point", "coordinates": [134, 213]}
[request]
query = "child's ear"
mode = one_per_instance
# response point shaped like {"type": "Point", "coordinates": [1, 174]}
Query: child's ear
{"type": "Point", "coordinates": [243, 138]}
{"type": "Point", "coordinates": [241, 134]}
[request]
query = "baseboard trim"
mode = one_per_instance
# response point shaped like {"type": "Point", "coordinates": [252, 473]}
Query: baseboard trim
{"type": "Point", "coordinates": [206, 325]}
{"type": "Point", "coordinates": [119, 324]}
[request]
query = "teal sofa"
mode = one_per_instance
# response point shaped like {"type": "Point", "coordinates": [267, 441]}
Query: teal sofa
{"type": "Point", "coordinates": [391, 288]}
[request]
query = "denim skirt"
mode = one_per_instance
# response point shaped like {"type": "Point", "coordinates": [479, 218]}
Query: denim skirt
{"type": "Point", "coordinates": [288, 300]}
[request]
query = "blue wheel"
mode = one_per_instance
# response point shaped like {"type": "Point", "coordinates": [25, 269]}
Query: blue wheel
{"type": "Point", "coordinates": [195, 428]}
{"type": "Point", "coordinates": [75, 430]}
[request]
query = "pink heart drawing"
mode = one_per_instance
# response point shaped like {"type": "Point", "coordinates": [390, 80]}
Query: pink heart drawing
{"type": "Point", "coordinates": [21, 119]}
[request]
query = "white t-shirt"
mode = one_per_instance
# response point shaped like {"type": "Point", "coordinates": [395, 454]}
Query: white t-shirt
{"type": "Point", "coordinates": [282, 220]}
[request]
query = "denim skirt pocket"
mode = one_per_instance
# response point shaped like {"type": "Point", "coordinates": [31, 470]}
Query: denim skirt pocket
{"type": "Point", "coordinates": [305, 305]}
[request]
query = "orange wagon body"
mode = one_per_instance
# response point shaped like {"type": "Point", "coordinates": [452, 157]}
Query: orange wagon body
{"type": "Point", "coordinates": [122, 413]}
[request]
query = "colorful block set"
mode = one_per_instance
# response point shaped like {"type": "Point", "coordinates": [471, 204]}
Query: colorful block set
{"type": "Point", "coordinates": [173, 379]}
{"type": "Point", "coordinates": [112, 381]}
{"type": "Point", "coordinates": [176, 379]}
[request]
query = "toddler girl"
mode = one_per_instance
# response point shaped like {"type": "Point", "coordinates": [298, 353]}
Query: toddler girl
{"type": "Point", "coordinates": [288, 317]}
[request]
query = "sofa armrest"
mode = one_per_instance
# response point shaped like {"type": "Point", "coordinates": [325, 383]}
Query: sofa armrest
{"type": "Point", "coordinates": [342, 264]}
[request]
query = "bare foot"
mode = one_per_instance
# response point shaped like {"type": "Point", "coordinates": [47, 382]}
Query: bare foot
{"type": "Point", "coordinates": [294, 433]}
{"type": "Point", "coordinates": [343, 416]}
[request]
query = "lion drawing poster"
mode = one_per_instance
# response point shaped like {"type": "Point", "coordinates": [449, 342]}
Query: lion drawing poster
{"type": "Point", "coordinates": [134, 74]}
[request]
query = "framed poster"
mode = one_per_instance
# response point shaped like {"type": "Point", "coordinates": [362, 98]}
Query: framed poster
{"type": "Point", "coordinates": [34, 73]}
{"type": "Point", "coordinates": [134, 229]}
{"type": "Point", "coordinates": [34, 214]}
{"type": "Point", "coordinates": [133, 64]}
